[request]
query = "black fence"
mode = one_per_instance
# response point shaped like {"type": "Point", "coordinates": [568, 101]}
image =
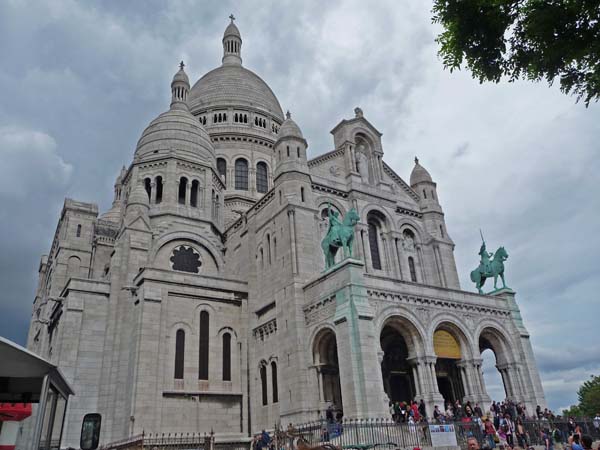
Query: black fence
{"type": "Point", "coordinates": [385, 433]}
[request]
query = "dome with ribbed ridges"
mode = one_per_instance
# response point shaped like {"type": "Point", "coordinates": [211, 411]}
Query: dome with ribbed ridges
{"type": "Point", "coordinates": [233, 85]}
{"type": "Point", "coordinates": [178, 131]}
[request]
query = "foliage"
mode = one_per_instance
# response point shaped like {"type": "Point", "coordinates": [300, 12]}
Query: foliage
{"type": "Point", "coordinates": [589, 396]}
{"type": "Point", "coordinates": [573, 411]}
{"type": "Point", "coordinates": [530, 39]}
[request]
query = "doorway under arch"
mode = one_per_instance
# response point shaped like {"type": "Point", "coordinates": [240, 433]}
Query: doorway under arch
{"type": "Point", "coordinates": [396, 371]}
{"type": "Point", "coordinates": [325, 357]}
{"type": "Point", "coordinates": [449, 352]}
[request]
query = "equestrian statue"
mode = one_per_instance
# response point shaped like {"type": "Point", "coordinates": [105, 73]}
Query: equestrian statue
{"type": "Point", "coordinates": [490, 265]}
{"type": "Point", "coordinates": [339, 234]}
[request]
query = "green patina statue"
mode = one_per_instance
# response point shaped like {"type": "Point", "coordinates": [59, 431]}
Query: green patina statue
{"type": "Point", "coordinates": [339, 234]}
{"type": "Point", "coordinates": [489, 267]}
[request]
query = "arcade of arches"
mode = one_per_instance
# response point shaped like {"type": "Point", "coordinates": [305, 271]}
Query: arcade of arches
{"type": "Point", "coordinates": [452, 372]}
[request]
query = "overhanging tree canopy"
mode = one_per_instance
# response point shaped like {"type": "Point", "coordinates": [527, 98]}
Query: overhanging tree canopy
{"type": "Point", "coordinates": [530, 39]}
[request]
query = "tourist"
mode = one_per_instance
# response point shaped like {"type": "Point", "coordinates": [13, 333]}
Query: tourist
{"type": "Point", "coordinates": [478, 411]}
{"type": "Point", "coordinates": [586, 442]}
{"type": "Point", "coordinates": [422, 410]}
{"type": "Point", "coordinates": [437, 414]}
{"type": "Point", "coordinates": [472, 443]}
{"type": "Point", "coordinates": [329, 413]}
{"type": "Point", "coordinates": [597, 422]}
{"type": "Point", "coordinates": [520, 432]}
{"type": "Point", "coordinates": [571, 426]}
{"type": "Point", "coordinates": [547, 439]}
{"type": "Point", "coordinates": [490, 431]}
{"type": "Point", "coordinates": [574, 442]}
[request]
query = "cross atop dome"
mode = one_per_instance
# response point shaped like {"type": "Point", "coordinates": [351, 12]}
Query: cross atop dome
{"type": "Point", "coordinates": [181, 65]}
{"type": "Point", "coordinates": [416, 160]}
{"type": "Point", "coordinates": [232, 17]}
{"type": "Point", "coordinates": [288, 114]}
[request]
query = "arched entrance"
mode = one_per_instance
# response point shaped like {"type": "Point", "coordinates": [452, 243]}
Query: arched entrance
{"type": "Point", "coordinates": [493, 349]}
{"type": "Point", "coordinates": [325, 359]}
{"type": "Point", "coordinates": [398, 341]}
{"type": "Point", "coordinates": [449, 352]}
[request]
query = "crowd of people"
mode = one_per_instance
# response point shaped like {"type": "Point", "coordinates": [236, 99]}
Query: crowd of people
{"type": "Point", "coordinates": [503, 424]}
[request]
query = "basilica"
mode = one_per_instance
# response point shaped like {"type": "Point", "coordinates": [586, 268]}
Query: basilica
{"type": "Point", "coordinates": [201, 299]}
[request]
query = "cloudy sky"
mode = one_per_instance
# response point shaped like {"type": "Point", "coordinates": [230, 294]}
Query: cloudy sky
{"type": "Point", "coordinates": [79, 81]}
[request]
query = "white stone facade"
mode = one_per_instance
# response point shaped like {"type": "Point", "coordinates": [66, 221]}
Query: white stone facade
{"type": "Point", "coordinates": [199, 300]}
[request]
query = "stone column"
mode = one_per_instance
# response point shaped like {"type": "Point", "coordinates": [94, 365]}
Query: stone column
{"type": "Point", "coordinates": [153, 193]}
{"type": "Point", "coordinates": [188, 191]}
{"type": "Point", "coordinates": [421, 265]}
{"type": "Point", "coordinates": [398, 260]}
{"type": "Point", "coordinates": [292, 225]}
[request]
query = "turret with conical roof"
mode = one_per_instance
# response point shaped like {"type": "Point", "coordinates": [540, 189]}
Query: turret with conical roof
{"type": "Point", "coordinates": [290, 148]}
{"type": "Point", "coordinates": [422, 183]}
{"type": "Point", "coordinates": [292, 176]}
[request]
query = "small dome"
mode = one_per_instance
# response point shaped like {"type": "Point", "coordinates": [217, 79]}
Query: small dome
{"type": "Point", "coordinates": [232, 30]}
{"type": "Point", "coordinates": [181, 76]}
{"type": "Point", "coordinates": [289, 128]}
{"type": "Point", "coordinates": [138, 196]}
{"type": "Point", "coordinates": [419, 174]}
{"type": "Point", "coordinates": [113, 214]}
{"type": "Point", "coordinates": [179, 131]}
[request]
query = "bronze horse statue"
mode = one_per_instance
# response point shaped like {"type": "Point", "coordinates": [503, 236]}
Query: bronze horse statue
{"type": "Point", "coordinates": [493, 268]}
{"type": "Point", "coordinates": [340, 234]}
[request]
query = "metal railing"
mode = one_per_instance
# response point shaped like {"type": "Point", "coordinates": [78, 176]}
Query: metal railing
{"type": "Point", "coordinates": [387, 433]}
{"type": "Point", "coordinates": [176, 441]}
{"type": "Point", "coordinates": [383, 432]}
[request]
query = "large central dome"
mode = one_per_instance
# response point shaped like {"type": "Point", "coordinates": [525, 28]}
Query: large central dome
{"type": "Point", "coordinates": [233, 85]}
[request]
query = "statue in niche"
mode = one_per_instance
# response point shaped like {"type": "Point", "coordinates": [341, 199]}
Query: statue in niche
{"type": "Point", "coordinates": [362, 163]}
{"type": "Point", "coordinates": [408, 242]}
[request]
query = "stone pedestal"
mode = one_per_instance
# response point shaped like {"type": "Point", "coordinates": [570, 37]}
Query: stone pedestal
{"type": "Point", "coordinates": [360, 371]}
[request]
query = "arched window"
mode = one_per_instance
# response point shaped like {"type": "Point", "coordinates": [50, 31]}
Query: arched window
{"type": "Point", "coordinates": [179, 354]}
{"type": "Point", "coordinates": [241, 174]}
{"type": "Point", "coordinates": [262, 259]}
{"type": "Point", "coordinates": [148, 187]}
{"type": "Point", "coordinates": [213, 204]}
{"type": "Point", "coordinates": [182, 190]}
{"type": "Point", "coordinates": [245, 118]}
{"type": "Point", "coordinates": [224, 117]}
{"type": "Point", "coordinates": [256, 121]}
{"type": "Point", "coordinates": [432, 194]}
{"type": "Point", "coordinates": [215, 118]}
{"type": "Point", "coordinates": [302, 194]}
{"type": "Point", "coordinates": [159, 189]}
{"type": "Point", "coordinates": [298, 151]}
{"type": "Point", "coordinates": [262, 180]}
{"type": "Point", "coordinates": [413, 272]}
{"type": "Point", "coordinates": [194, 193]}
{"type": "Point", "coordinates": [78, 232]}
{"type": "Point", "coordinates": [203, 353]}
{"type": "Point", "coordinates": [424, 194]}
{"type": "Point", "coordinates": [269, 248]}
{"type": "Point", "coordinates": [374, 227]}
{"type": "Point", "coordinates": [263, 382]}
{"type": "Point", "coordinates": [226, 357]}
{"type": "Point", "coordinates": [288, 150]}
{"type": "Point", "coordinates": [274, 381]}
{"type": "Point", "coordinates": [442, 231]}
{"type": "Point", "coordinates": [222, 169]}
{"type": "Point", "coordinates": [235, 117]}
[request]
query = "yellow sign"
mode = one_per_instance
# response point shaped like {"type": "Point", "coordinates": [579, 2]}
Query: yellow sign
{"type": "Point", "coordinates": [445, 345]}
